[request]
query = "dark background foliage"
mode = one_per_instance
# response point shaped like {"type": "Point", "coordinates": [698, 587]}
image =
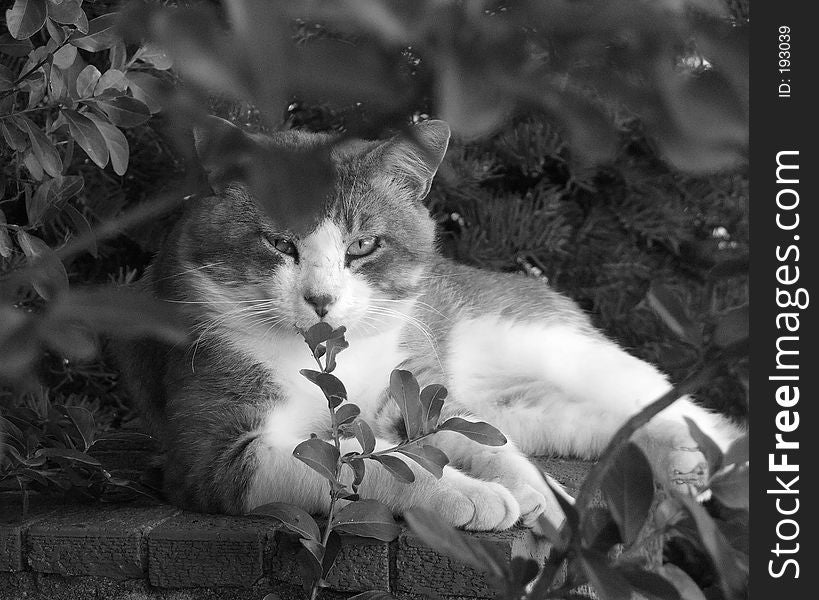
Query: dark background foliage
{"type": "Point", "coordinates": [518, 200]}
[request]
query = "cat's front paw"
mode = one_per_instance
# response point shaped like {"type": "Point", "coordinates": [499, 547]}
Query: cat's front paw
{"type": "Point", "coordinates": [474, 504]}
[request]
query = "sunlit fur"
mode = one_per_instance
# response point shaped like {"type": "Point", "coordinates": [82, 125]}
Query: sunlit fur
{"type": "Point", "coordinates": [231, 405]}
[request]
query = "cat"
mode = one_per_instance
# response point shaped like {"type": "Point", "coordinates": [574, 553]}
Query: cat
{"type": "Point", "coordinates": [230, 408]}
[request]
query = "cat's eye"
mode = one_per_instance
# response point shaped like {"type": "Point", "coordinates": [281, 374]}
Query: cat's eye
{"type": "Point", "coordinates": [363, 246]}
{"type": "Point", "coordinates": [282, 245]}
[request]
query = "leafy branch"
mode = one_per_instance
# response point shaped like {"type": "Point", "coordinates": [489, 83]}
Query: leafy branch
{"type": "Point", "coordinates": [421, 410]}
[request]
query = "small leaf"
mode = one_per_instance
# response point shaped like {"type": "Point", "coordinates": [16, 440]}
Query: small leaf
{"type": "Point", "coordinates": [15, 138]}
{"type": "Point", "coordinates": [628, 487]}
{"type": "Point", "coordinates": [48, 276]}
{"type": "Point", "coordinates": [64, 58]}
{"type": "Point", "coordinates": [101, 34]}
{"type": "Point", "coordinates": [16, 48]}
{"type": "Point", "coordinates": [34, 168]}
{"type": "Point", "coordinates": [335, 344]}
{"type": "Point", "coordinates": [732, 487]}
{"type": "Point", "coordinates": [88, 136]}
{"type": "Point", "coordinates": [477, 431]}
{"type": "Point", "coordinates": [82, 228]}
{"type": "Point", "coordinates": [331, 551]}
{"type": "Point", "coordinates": [359, 469]}
{"type": "Point", "coordinates": [673, 314]}
{"type": "Point", "coordinates": [432, 401]}
{"type": "Point", "coordinates": [118, 55]}
{"type": "Point", "coordinates": [650, 585]}
{"type": "Point", "coordinates": [429, 457]}
{"type": "Point", "coordinates": [87, 81]}
{"type": "Point", "coordinates": [43, 148]}
{"type": "Point", "coordinates": [69, 12]}
{"type": "Point", "coordinates": [687, 588]}
{"type": "Point", "coordinates": [319, 456]}
{"type": "Point", "coordinates": [292, 517]}
{"type": "Point", "coordinates": [317, 334]}
{"type": "Point", "coordinates": [38, 203]}
{"type": "Point", "coordinates": [331, 385]}
{"type": "Point", "coordinates": [405, 392]}
{"type": "Point", "coordinates": [440, 536]}
{"type": "Point", "coordinates": [607, 582]}
{"type": "Point", "coordinates": [112, 79]}
{"type": "Point", "coordinates": [83, 420]}
{"type": "Point", "coordinates": [707, 446]}
{"type": "Point", "coordinates": [148, 89]}
{"type": "Point", "coordinates": [58, 34]}
{"type": "Point", "coordinates": [397, 467]}
{"type": "Point", "coordinates": [731, 571]}
{"type": "Point", "coordinates": [365, 436]}
{"type": "Point", "coordinates": [599, 529]}
{"type": "Point", "coordinates": [367, 518]}
{"type": "Point", "coordinates": [346, 413]}
{"type": "Point", "coordinates": [738, 452]}
{"type": "Point", "coordinates": [26, 18]}
{"type": "Point", "coordinates": [69, 454]}
{"type": "Point", "coordinates": [52, 192]}
{"type": "Point", "coordinates": [315, 549]}
{"type": "Point", "coordinates": [116, 142]}
{"type": "Point", "coordinates": [154, 56]}
{"type": "Point", "coordinates": [124, 111]}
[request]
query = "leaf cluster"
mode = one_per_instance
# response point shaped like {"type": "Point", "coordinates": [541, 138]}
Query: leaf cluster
{"type": "Point", "coordinates": [421, 411]}
{"type": "Point", "coordinates": [617, 547]}
{"type": "Point", "coordinates": [47, 448]}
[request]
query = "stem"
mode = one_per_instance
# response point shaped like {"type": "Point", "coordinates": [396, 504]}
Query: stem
{"type": "Point", "coordinates": [42, 61]}
{"type": "Point", "coordinates": [594, 479]}
{"type": "Point", "coordinates": [31, 110]}
{"type": "Point", "coordinates": [394, 448]}
{"type": "Point", "coordinates": [333, 497]}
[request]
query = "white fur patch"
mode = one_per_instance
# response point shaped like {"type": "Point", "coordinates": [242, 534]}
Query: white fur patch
{"type": "Point", "coordinates": [552, 388]}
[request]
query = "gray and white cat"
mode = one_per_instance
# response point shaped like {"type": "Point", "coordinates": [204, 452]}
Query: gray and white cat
{"type": "Point", "coordinates": [230, 409]}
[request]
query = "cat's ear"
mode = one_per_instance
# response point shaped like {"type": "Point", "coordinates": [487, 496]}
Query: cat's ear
{"type": "Point", "coordinates": [414, 166]}
{"type": "Point", "coordinates": [222, 149]}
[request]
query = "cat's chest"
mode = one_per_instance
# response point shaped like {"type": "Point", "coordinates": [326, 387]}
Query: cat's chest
{"type": "Point", "coordinates": [364, 368]}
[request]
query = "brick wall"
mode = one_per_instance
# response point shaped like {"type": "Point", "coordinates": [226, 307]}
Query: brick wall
{"type": "Point", "coordinates": [142, 550]}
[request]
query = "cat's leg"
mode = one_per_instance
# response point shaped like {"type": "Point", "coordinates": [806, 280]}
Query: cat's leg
{"type": "Point", "coordinates": [463, 501]}
{"type": "Point", "coordinates": [561, 389]}
{"type": "Point", "coordinates": [508, 466]}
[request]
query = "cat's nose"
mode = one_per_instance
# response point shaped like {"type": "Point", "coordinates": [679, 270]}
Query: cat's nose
{"type": "Point", "coordinates": [320, 303]}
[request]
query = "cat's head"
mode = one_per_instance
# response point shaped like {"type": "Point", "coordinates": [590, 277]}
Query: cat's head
{"type": "Point", "coordinates": [361, 265]}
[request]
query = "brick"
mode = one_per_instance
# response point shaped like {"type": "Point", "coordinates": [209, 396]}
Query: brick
{"type": "Point", "coordinates": [362, 563]}
{"type": "Point", "coordinates": [94, 540]}
{"type": "Point", "coordinates": [203, 550]}
{"type": "Point", "coordinates": [570, 472]}
{"type": "Point", "coordinates": [14, 527]}
{"type": "Point", "coordinates": [422, 570]}
{"type": "Point", "coordinates": [126, 456]}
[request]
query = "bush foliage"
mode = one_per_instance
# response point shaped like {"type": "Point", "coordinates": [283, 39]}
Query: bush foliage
{"type": "Point", "coordinates": [600, 146]}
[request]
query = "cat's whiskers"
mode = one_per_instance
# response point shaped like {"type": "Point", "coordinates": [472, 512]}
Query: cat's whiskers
{"type": "Point", "coordinates": [191, 270]}
{"type": "Point", "coordinates": [417, 303]}
{"type": "Point", "coordinates": [238, 314]}
{"type": "Point", "coordinates": [413, 321]}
